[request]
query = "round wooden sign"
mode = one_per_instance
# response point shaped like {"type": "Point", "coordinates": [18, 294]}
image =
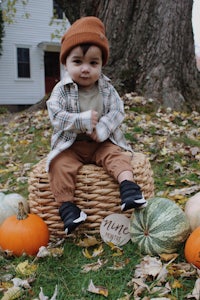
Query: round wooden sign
{"type": "Point", "coordinates": [115, 228]}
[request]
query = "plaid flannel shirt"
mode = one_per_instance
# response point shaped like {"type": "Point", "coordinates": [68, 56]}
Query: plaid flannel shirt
{"type": "Point", "coordinates": [67, 119]}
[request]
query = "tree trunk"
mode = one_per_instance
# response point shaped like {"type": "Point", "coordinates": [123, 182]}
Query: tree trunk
{"type": "Point", "coordinates": [151, 47]}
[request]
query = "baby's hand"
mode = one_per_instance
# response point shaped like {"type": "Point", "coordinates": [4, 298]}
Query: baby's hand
{"type": "Point", "coordinates": [94, 136]}
{"type": "Point", "coordinates": [94, 119]}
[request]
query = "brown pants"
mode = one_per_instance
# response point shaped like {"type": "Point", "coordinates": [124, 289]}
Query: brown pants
{"type": "Point", "coordinates": [64, 167]}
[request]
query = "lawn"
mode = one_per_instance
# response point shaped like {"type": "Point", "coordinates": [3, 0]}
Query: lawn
{"type": "Point", "coordinates": [172, 142]}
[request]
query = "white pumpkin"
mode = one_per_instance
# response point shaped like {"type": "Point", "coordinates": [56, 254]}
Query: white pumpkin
{"type": "Point", "coordinates": [192, 211]}
{"type": "Point", "coordinates": [9, 205]}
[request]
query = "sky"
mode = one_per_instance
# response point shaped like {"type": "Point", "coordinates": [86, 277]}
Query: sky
{"type": "Point", "coordinates": [196, 25]}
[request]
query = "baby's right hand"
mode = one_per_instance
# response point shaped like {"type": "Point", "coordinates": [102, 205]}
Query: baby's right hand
{"type": "Point", "coordinates": [94, 119]}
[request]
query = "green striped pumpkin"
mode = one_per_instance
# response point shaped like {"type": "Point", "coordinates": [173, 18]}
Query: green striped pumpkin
{"type": "Point", "coordinates": [161, 227]}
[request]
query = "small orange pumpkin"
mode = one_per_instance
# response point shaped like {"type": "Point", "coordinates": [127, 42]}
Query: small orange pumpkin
{"type": "Point", "coordinates": [192, 248]}
{"type": "Point", "coordinates": [24, 233]}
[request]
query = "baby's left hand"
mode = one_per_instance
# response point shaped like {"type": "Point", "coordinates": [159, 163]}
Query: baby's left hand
{"type": "Point", "coordinates": [94, 136]}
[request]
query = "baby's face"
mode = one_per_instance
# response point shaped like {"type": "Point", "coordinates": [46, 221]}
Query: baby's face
{"type": "Point", "coordinates": [84, 69]}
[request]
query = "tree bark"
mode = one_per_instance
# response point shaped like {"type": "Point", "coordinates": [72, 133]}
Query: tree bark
{"type": "Point", "coordinates": [151, 47]}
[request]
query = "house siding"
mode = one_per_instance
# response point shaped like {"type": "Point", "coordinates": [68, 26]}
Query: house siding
{"type": "Point", "coordinates": [26, 33]}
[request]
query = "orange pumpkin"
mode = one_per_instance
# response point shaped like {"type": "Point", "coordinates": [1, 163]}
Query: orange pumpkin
{"type": "Point", "coordinates": [24, 233]}
{"type": "Point", "coordinates": [192, 248]}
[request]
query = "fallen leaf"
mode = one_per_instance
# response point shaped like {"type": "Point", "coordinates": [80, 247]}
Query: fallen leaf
{"type": "Point", "coordinates": [168, 257]}
{"type": "Point", "coordinates": [25, 268]}
{"type": "Point", "coordinates": [96, 252]}
{"type": "Point", "coordinates": [138, 282]}
{"type": "Point", "coordinates": [194, 150]}
{"type": "Point", "coordinates": [43, 252]}
{"type": "Point", "coordinates": [177, 167]}
{"type": "Point", "coordinates": [119, 265]}
{"type": "Point", "coordinates": [139, 286]}
{"type": "Point", "coordinates": [164, 151]}
{"type": "Point", "coordinates": [176, 284]}
{"type": "Point", "coordinates": [93, 266]}
{"type": "Point", "coordinates": [24, 142]}
{"type": "Point", "coordinates": [185, 191]}
{"type": "Point", "coordinates": [171, 183]}
{"type": "Point", "coordinates": [100, 290]}
{"type": "Point", "coordinates": [196, 291]}
{"type": "Point", "coordinates": [18, 282]}
{"type": "Point", "coordinates": [86, 253]}
{"type": "Point", "coordinates": [188, 182]}
{"type": "Point", "coordinates": [5, 285]}
{"type": "Point", "coordinates": [88, 242]}
{"type": "Point", "coordinates": [181, 269]}
{"type": "Point", "coordinates": [43, 297]}
{"type": "Point", "coordinates": [160, 298]}
{"type": "Point", "coordinates": [12, 293]}
{"type": "Point", "coordinates": [161, 290]}
{"type": "Point", "coordinates": [55, 252]}
{"type": "Point", "coordinates": [118, 251]}
{"type": "Point", "coordinates": [148, 266]}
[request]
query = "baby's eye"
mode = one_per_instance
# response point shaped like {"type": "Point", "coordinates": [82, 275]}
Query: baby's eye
{"type": "Point", "coordinates": [94, 63]}
{"type": "Point", "coordinates": [77, 61]}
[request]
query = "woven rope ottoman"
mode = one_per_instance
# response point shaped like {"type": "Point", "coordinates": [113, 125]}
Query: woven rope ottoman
{"type": "Point", "coordinates": [96, 193]}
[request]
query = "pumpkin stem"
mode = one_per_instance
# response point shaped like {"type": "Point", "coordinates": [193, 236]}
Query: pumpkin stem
{"type": "Point", "coordinates": [22, 214]}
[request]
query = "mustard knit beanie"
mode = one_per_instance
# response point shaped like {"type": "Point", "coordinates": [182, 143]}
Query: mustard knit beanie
{"type": "Point", "coordinates": [85, 30]}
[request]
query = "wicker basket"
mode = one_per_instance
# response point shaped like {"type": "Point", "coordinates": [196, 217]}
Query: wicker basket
{"type": "Point", "coordinates": [96, 193]}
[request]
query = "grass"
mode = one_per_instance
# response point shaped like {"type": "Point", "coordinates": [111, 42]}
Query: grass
{"type": "Point", "coordinates": [66, 272]}
{"type": "Point", "coordinates": [164, 136]}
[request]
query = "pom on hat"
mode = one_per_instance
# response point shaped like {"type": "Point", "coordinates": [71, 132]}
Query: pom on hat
{"type": "Point", "coordinates": [85, 30]}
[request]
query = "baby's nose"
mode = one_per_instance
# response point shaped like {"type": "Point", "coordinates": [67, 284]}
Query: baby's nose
{"type": "Point", "coordinates": [85, 68]}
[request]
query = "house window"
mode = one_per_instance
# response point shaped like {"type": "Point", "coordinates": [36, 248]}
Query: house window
{"type": "Point", "coordinates": [57, 11]}
{"type": "Point", "coordinates": [23, 63]}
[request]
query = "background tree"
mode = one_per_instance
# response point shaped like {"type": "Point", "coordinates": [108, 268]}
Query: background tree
{"type": "Point", "coordinates": [152, 47]}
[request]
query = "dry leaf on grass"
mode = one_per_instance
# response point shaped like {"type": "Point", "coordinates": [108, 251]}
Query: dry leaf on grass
{"type": "Point", "coordinates": [119, 265]}
{"type": "Point", "coordinates": [196, 291]}
{"type": "Point", "coordinates": [43, 297]}
{"type": "Point", "coordinates": [152, 271]}
{"type": "Point", "coordinates": [168, 257]}
{"type": "Point", "coordinates": [159, 298]}
{"type": "Point", "coordinates": [139, 286]}
{"type": "Point", "coordinates": [55, 252]}
{"type": "Point", "coordinates": [18, 282]}
{"type": "Point", "coordinates": [181, 269]}
{"type": "Point", "coordinates": [116, 249]}
{"type": "Point", "coordinates": [149, 266]}
{"type": "Point", "coordinates": [93, 266]}
{"type": "Point", "coordinates": [96, 252]}
{"type": "Point", "coordinates": [100, 290]}
{"type": "Point", "coordinates": [161, 290]}
{"type": "Point", "coordinates": [88, 241]}
{"type": "Point", "coordinates": [176, 284]}
{"type": "Point", "coordinates": [12, 293]}
{"type": "Point", "coordinates": [26, 269]}
{"type": "Point", "coordinates": [5, 285]}
{"type": "Point", "coordinates": [185, 191]}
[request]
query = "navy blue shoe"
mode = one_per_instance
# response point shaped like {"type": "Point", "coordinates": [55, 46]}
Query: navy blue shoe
{"type": "Point", "coordinates": [131, 196]}
{"type": "Point", "coordinates": [71, 216]}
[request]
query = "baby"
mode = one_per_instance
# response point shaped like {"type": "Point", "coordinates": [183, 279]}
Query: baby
{"type": "Point", "coordinates": [86, 113]}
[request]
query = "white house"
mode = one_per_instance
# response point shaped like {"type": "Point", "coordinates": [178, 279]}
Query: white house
{"type": "Point", "coordinates": [196, 29]}
{"type": "Point", "coordinates": [29, 65]}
